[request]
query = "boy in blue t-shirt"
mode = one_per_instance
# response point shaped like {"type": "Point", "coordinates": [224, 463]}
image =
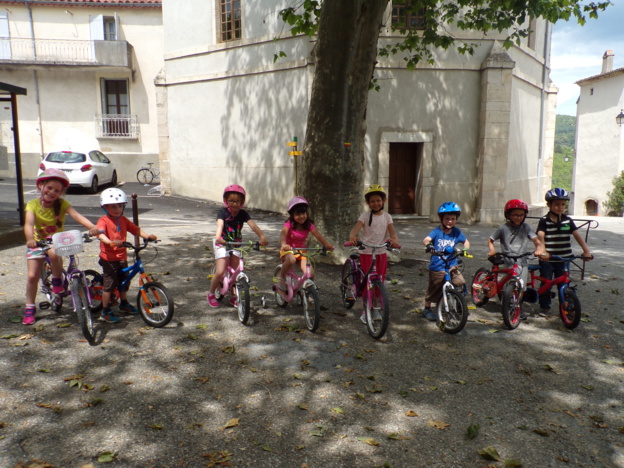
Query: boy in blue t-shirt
{"type": "Point", "coordinates": [446, 235]}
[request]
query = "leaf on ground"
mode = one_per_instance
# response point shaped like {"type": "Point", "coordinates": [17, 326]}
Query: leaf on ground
{"type": "Point", "coordinates": [493, 330]}
{"type": "Point", "coordinates": [157, 427]}
{"type": "Point", "coordinates": [411, 414]}
{"type": "Point", "coordinates": [438, 424]}
{"type": "Point", "coordinates": [489, 453]}
{"type": "Point", "coordinates": [15, 319]}
{"type": "Point", "coordinates": [193, 337]}
{"type": "Point", "coordinates": [202, 326]}
{"type": "Point", "coordinates": [229, 349]}
{"type": "Point", "coordinates": [541, 432]}
{"type": "Point", "coordinates": [369, 441]}
{"type": "Point", "coordinates": [267, 448]}
{"type": "Point", "coordinates": [357, 396]}
{"type": "Point", "coordinates": [337, 410]}
{"type": "Point", "coordinates": [95, 402]}
{"type": "Point", "coordinates": [64, 325]}
{"type": "Point", "coordinates": [45, 371]}
{"type": "Point", "coordinates": [587, 387]}
{"type": "Point", "coordinates": [231, 423]}
{"type": "Point", "coordinates": [472, 431]}
{"type": "Point", "coordinates": [397, 436]}
{"type": "Point", "coordinates": [222, 458]}
{"type": "Point", "coordinates": [302, 406]}
{"type": "Point", "coordinates": [297, 376]}
{"type": "Point", "coordinates": [512, 463]}
{"type": "Point", "coordinates": [552, 369]}
{"type": "Point", "coordinates": [202, 379]}
{"type": "Point", "coordinates": [8, 337]}
{"type": "Point", "coordinates": [106, 457]}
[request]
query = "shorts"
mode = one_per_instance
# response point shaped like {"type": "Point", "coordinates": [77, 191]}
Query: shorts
{"type": "Point", "coordinates": [111, 274]}
{"type": "Point", "coordinates": [283, 253]}
{"type": "Point", "coordinates": [436, 281]}
{"type": "Point", "coordinates": [220, 252]}
{"type": "Point", "coordinates": [35, 254]}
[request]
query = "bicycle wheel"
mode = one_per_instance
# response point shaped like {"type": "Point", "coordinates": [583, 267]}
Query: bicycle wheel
{"type": "Point", "coordinates": [569, 308]}
{"type": "Point", "coordinates": [512, 306]}
{"type": "Point", "coordinates": [377, 309]}
{"type": "Point", "coordinates": [155, 304]}
{"type": "Point", "coordinates": [347, 289]}
{"type": "Point", "coordinates": [55, 301]}
{"type": "Point", "coordinates": [95, 283]}
{"type": "Point", "coordinates": [479, 284]}
{"type": "Point", "coordinates": [144, 176]}
{"type": "Point", "coordinates": [454, 318]}
{"type": "Point", "coordinates": [279, 299]}
{"type": "Point", "coordinates": [242, 292]}
{"type": "Point", "coordinates": [81, 305]}
{"type": "Point", "coordinates": [311, 308]}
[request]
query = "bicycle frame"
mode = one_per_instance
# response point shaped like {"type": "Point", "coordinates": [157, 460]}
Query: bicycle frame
{"type": "Point", "coordinates": [232, 274]}
{"type": "Point", "coordinates": [364, 279]}
{"type": "Point", "coordinates": [561, 281]}
{"type": "Point", "coordinates": [297, 282]}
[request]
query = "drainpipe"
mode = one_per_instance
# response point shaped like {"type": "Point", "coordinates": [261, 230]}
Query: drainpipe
{"type": "Point", "coordinates": [36, 78]}
{"type": "Point", "coordinates": [540, 157]}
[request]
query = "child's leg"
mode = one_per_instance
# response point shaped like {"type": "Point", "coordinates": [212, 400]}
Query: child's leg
{"type": "Point", "coordinates": [34, 266]}
{"type": "Point", "coordinates": [220, 264]}
{"type": "Point", "coordinates": [434, 289]}
{"type": "Point", "coordinates": [546, 271]}
{"type": "Point", "coordinates": [288, 262]}
{"type": "Point", "coordinates": [56, 263]}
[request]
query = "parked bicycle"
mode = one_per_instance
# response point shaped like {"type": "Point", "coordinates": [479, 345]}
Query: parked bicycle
{"type": "Point", "coordinates": [154, 300]}
{"type": "Point", "coordinates": [236, 281]}
{"type": "Point", "coordinates": [146, 175]}
{"type": "Point", "coordinates": [504, 283]}
{"type": "Point", "coordinates": [75, 281]}
{"type": "Point", "coordinates": [451, 308]}
{"type": "Point", "coordinates": [369, 285]}
{"type": "Point", "coordinates": [301, 287]}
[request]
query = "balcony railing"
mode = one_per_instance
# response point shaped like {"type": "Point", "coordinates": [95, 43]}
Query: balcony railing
{"type": "Point", "coordinates": [64, 52]}
{"type": "Point", "coordinates": [117, 126]}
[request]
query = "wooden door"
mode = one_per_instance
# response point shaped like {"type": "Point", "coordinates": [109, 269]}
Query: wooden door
{"type": "Point", "coordinates": [404, 185]}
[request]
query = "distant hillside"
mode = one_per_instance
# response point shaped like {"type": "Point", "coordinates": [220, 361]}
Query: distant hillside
{"type": "Point", "coordinates": [565, 134]}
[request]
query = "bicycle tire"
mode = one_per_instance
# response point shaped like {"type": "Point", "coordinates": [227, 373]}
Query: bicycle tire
{"type": "Point", "coordinates": [55, 301]}
{"type": "Point", "coordinates": [81, 306]}
{"type": "Point", "coordinates": [569, 308]}
{"type": "Point", "coordinates": [279, 299]}
{"type": "Point", "coordinates": [479, 295]}
{"type": "Point", "coordinates": [377, 309]}
{"type": "Point", "coordinates": [348, 275]}
{"type": "Point", "coordinates": [155, 304]}
{"type": "Point", "coordinates": [511, 304]}
{"type": "Point", "coordinates": [95, 283]}
{"type": "Point", "coordinates": [453, 320]}
{"type": "Point", "coordinates": [244, 301]}
{"type": "Point", "coordinates": [144, 176]}
{"type": "Point", "coordinates": [311, 311]}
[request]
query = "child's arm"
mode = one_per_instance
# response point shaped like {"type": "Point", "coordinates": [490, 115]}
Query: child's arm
{"type": "Point", "coordinates": [394, 240]}
{"type": "Point", "coordinates": [29, 230]}
{"type": "Point", "coordinates": [71, 211]}
{"type": "Point", "coordinates": [466, 244]}
{"type": "Point", "coordinates": [427, 240]}
{"type": "Point", "coordinates": [539, 247]}
{"type": "Point", "coordinates": [145, 235]}
{"type": "Point", "coordinates": [322, 240]}
{"type": "Point", "coordinates": [254, 227]}
{"type": "Point", "coordinates": [583, 244]}
{"type": "Point", "coordinates": [104, 238]}
{"type": "Point", "coordinates": [491, 247]}
{"type": "Point", "coordinates": [219, 232]}
{"type": "Point", "coordinates": [354, 233]}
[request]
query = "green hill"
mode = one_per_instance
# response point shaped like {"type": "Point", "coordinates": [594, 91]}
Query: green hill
{"type": "Point", "coordinates": [565, 133]}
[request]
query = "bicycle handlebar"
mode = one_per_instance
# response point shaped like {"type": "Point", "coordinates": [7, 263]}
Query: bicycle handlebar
{"type": "Point", "coordinates": [46, 244]}
{"type": "Point", "coordinates": [360, 245]}
{"type": "Point", "coordinates": [242, 246]}
{"type": "Point", "coordinates": [569, 259]}
{"type": "Point", "coordinates": [304, 251]}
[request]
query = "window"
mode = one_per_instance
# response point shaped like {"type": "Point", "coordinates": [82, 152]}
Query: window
{"type": "Point", "coordinates": [532, 33]}
{"type": "Point", "coordinates": [116, 120]}
{"type": "Point", "coordinates": [110, 28]}
{"type": "Point", "coordinates": [230, 20]}
{"type": "Point", "coordinates": [104, 28]}
{"type": "Point", "coordinates": [408, 17]}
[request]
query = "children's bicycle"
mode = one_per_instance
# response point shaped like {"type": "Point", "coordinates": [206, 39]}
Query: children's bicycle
{"type": "Point", "coordinates": [146, 175]}
{"type": "Point", "coordinates": [369, 285]}
{"type": "Point", "coordinates": [504, 282]}
{"type": "Point", "coordinates": [236, 281]}
{"type": "Point", "coordinates": [75, 282]}
{"type": "Point", "coordinates": [301, 287]}
{"type": "Point", "coordinates": [154, 300]}
{"type": "Point", "coordinates": [569, 303]}
{"type": "Point", "coordinates": [451, 308]}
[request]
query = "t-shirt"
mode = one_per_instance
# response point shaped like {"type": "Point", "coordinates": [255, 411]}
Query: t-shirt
{"type": "Point", "coordinates": [557, 235]}
{"type": "Point", "coordinates": [295, 237]}
{"type": "Point", "coordinates": [232, 226]}
{"type": "Point", "coordinates": [514, 241]}
{"type": "Point", "coordinates": [440, 241]}
{"type": "Point", "coordinates": [115, 229]}
{"type": "Point", "coordinates": [46, 218]}
{"type": "Point", "coordinates": [377, 232]}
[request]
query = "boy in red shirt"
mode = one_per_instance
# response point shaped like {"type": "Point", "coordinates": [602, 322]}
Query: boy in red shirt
{"type": "Point", "coordinates": [114, 227]}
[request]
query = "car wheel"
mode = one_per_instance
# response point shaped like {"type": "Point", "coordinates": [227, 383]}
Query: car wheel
{"type": "Point", "coordinates": [113, 182]}
{"type": "Point", "coordinates": [94, 185]}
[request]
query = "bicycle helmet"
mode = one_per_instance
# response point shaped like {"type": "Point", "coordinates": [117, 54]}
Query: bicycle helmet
{"type": "Point", "coordinates": [449, 208]}
{"type": "Point", "coordinates": [296, 201]}
{"type": "Point", "coordinates": [111, 196]}
{"type": "Point", "coordinates": [515, 205]}
{"type": "Point", "coordinates": [378, 189]}
{"type": "Point", "coordinates": [234, 189]}
{"type": "Point", "coordinates": [51, 173]}
{"type": "Point", "coordinates": [557, 194]}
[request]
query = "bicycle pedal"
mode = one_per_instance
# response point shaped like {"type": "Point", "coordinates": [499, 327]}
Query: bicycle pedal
{"type": "Point", "coordinates": [44, 305]}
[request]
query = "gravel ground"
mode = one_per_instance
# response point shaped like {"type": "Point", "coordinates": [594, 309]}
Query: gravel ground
{"type": "Point", "coordinates": [209, 391]}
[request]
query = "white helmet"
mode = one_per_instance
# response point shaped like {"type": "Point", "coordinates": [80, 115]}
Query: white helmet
{"type": "Point", "coordinates": [111, 196]}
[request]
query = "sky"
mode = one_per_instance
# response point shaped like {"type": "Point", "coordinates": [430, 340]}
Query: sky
{"type": "Point", "coordinates": [577, 51]}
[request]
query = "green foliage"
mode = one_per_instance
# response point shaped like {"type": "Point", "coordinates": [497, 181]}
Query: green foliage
{"type": "Point", "coordinates": [615, 202]}
{"type": "Point", "coordinates": [563, 158]}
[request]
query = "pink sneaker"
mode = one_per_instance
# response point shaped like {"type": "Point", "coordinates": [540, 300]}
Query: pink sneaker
{"type": "Point", "coordinates": [29, 317]}
{"type": "Point", "coordinates": [212, 300]}
{"type": "Point", "coordinates": [233, 302]}
{"type": "Point", "coordinates": [57, 286]}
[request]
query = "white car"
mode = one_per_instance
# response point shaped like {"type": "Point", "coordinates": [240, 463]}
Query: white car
{"type": "Point", "coordinates": [84, 169]}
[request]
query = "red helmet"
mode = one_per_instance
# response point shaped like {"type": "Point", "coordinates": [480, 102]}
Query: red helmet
{"type": "Point", "coordinates": [516, 205]}
{"type": "Point", "coordinates": [52, 173]}
{"type": "Point", "coordinates": [234, 189]}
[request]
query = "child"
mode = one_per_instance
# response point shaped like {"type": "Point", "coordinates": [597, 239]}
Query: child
{"type": "Point", "coordinates": [294, 235]}
{"type": "Point", "coordinates": [446, 235]}
{"type": "Point", "coordinates": [46, 216]}
{"type": "Point", "coordinates": [554, 231]}
{"type": "Point", "coordinates": [376, 227]}
{"type": "Point", "coordinates": [230, 221]}
{"type": "Point", "coordinates": [514, 238]}
{"type": "Point", "coordinates": [113, 228]}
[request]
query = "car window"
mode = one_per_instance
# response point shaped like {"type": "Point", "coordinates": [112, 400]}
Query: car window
{"type": "Point", "coordinates": [103, 158]}
{"type": "Point", "coordinates": [66, 157]}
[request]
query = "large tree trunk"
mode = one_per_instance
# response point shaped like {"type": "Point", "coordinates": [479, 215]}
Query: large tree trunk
{"type": "Point", "coordinates": [331, 169]}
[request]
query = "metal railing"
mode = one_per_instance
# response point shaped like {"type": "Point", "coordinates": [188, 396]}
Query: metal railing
{"type": "Point", "coordinates": [121, 126]}
{"type": "Point", "coordinates": [47, 50]}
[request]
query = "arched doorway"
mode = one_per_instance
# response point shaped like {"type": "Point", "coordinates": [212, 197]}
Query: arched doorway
{"type": "Point", "coordinates": [591, 207]}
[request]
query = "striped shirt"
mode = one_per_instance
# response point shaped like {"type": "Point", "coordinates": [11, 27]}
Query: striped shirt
{"type": "Point", "coordinates": [557, 235]}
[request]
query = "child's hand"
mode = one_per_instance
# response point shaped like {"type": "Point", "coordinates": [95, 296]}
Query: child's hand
{"type": "Point", "coordinates": [264, 241]}
{"type": "Point", "coordinates": [152, 237]}
{"type": "Point", "coordinates": [286, 248]}
{"type": "Point", "coordinates": [330, 247]}
{"type": "Point", "coordinates": [219, 241]}
{"type": "Point", "coordinates": [94, 231]}
{"type": "Point", "coordinates": [394, 244]}
{"type": "Point", "coordinates": [117, 243]}
{"type": "Point", "coordinates": [31, 244]}
{"type": "Point", "coordinates": [491, 253]}
{"type": "Point", "coordinates": [353, 240]}
{"type": "Point", "coordinates": [587, 256]}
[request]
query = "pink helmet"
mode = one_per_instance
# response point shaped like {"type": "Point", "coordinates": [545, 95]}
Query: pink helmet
{"type": "Point", "coordinates": [53, 174]}
{"type": "Point", "coordinates": [296, 201]}
{"type": "Point", "coordinates": [234, 189]}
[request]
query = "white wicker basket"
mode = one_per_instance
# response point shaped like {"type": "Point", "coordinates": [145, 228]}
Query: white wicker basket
{"type": "Point", "coordinates": [67, 243]}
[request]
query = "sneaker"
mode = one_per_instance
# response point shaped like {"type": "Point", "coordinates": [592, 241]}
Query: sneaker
{"type": "Point", "coordinates": [29, 317]}
{"type": "Point", "coordinates": [128, 308]}
{"type": "Point", "coordinates": [544, 311]}
{"type": "Point", "coordinates": [363, 317]}
{"type": "Point", "coordinates": [212, 300]}
{"type": "Point", "coordinates": [109, 317]}
{"type": "Point", "coordinates": [429, 314]}
{"type": "Point", "coordinates": [57, 286]}
{"type": "Point", "coordinates": [233, 302]}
